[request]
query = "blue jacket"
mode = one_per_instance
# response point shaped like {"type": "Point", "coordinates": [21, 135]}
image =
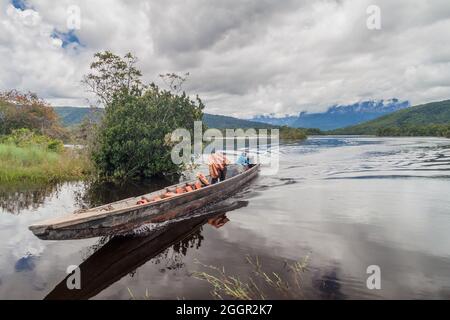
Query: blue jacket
{"type": "Point", "coordinates": [243, 160]}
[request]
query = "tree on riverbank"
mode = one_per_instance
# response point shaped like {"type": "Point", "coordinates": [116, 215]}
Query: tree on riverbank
{"type": "Point", "coordinates": [26, 110]}
{"type": "Point", "coordinates": [31, 149]}
{"type": "Point", "coordinates": [132, 141]}
{"type": "Point", "coordinates": [432, 130]}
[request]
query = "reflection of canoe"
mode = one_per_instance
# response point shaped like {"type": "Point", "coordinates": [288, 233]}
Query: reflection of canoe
{"type": "Point", "coordinates": [126, 214]}
{"type": "Point", "coordinates": [122, 255]}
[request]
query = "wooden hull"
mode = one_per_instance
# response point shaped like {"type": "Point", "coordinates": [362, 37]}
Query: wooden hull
{"type": "Point", "coordinates": [100, 221]}
{"type": "Point", "coordinates": [122, 255]}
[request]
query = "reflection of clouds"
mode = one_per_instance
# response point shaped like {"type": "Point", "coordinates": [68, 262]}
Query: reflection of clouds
{"type": "Point", "coordinates": [347, 224]}
{"type": "Point", "coordinates": [400, 224]}
{"type": "Point", "coordinates": [26, 263]}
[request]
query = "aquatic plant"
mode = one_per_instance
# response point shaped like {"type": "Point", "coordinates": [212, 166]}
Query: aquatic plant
{"type": "Point", "coordinates": [260, 285]}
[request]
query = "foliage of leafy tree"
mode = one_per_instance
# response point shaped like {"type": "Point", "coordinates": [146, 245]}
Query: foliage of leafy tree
{"type": "Point", "coordinates": [292, 133]}
{"type": "Point", "coordinates": [26, 110]}
{"type": "Point", "coordinates": [133, 140]}
{"type": "Point", "coordinates": [112, 75]}
{"type": "Point", "coordinates": [174, 81]}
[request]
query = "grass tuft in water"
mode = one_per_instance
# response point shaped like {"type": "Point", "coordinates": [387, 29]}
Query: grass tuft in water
{"type": "Point", "coordinates": [260, 285]}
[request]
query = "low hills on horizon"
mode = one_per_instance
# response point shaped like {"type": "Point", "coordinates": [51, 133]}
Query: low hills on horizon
{"type": "Point", "coordinates": [72, 116]}
{"type": "Point", "coordinates": [337, 116]}
{"type": "Point", "coordinates": [426, 119]}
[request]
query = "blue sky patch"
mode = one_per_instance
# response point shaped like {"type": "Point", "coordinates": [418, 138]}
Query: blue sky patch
{"type": "Point", "coordinates": [20, 4]}
{"type": "Point", "coordinates": [67, 38]}
{"type": "Point", "coordinates": [26, 263]}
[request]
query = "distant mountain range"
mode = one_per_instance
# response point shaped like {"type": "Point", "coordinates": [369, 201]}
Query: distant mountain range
{"type": "Point", "coordinates": [72, 116]}
{"type": "Point", "coordinates": [337, 116]}
{"type": "Point", "coordinates": [434, 113]}
{"type": "Point", "coordinates": [225, 122]}
{"type": "Point", "coordinates": [388, 114]}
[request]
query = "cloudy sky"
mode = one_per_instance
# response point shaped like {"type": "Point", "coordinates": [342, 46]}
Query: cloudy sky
{"type": "Point", "coordinates": [245, 57]}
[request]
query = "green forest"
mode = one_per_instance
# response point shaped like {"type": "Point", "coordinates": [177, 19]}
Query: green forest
{"type": "Point", "coordinates": [431, 119]}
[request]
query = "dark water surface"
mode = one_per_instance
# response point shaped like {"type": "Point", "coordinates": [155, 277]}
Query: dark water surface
{"type": "Point", "coordinates": [343, 202]}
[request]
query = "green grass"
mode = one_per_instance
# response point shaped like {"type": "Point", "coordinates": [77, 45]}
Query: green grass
{"type": "Point", "coordinates": [34, 164]}
{"type": "Point", "coordinates": [261, 285]}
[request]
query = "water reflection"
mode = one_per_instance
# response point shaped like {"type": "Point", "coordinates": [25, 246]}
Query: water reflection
{"type": "Point", "coordinates": [122, 255]}
{"type": "Point", "coordinates": [350, 201]}
{"type": "Point", "coordinates": [17, 197]}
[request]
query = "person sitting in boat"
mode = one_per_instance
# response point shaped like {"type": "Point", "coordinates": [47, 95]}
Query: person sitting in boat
{"type": "Point", "coordinates": [243, 160]}
{"type": "Point", "coordinates": [217, 163]}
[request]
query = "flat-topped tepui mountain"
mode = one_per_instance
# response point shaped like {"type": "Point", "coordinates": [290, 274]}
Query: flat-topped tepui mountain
{"type": "Point", "coordinates": [421, 116]}
{"type": "Point", "coordinates": [337, 116]}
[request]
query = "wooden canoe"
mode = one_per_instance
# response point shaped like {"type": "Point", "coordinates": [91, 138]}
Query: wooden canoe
{"type": "Point", "coordinates": [122, 255]}
{"type": "Point", "coordinates": [126, 214]}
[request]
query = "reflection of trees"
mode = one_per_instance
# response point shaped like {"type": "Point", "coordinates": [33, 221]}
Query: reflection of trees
{"type": "Point", "coordinates": [16, 198]}
{"type": "Point", "coordinates": [172, 257]}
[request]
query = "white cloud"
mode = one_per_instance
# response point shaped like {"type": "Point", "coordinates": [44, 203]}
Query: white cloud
{"type": "Point", "coordinates": [245, 57]}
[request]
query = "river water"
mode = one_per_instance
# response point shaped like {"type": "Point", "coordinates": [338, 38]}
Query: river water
{"type": "Point", "coordinates": [337, 204]}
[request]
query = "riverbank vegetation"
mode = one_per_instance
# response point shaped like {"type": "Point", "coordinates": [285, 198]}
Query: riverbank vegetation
{"type": "Point", "coordinates": [288, 133]}
{"type": "Point", "coordinates": [260, 285]}
{"type": "Point", "coordinates": [432, 130]}
{"type": "Point", "coordinates": [31, 146]}
{"type": "Point", "coordinates": [26, 155]}
{"type": "Point", "coordinates": [38, 165]}
{"type": "Point", "coordinates": [26, 110]}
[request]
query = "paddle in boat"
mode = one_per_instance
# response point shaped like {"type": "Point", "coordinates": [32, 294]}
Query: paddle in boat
{"type": "Point", "coordinates": [156, 207]}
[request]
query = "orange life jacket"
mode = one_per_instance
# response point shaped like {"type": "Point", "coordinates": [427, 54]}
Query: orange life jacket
{"type": "Point", "coordinates": [179, 190]}
{"type": "Point", "coordinates": [203, 179]}
{"type": "Point", "coordinates": [189, 189]}
{"type": "Point", "coordinates": [218, 160]}
{"type": "Point", "coordinates": [197, 185]}
{"type": "Point", "coordinates": [213, 171]}
{"type": "Point", "coordinates": [168, 195]}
